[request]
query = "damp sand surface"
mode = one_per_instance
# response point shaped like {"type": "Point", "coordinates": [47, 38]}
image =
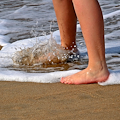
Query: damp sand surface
{"type": "Point", "coordinates": [32, 101]}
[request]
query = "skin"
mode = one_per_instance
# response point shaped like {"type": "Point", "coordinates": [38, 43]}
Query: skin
{"type": "Point", "coordinates": [91, 20]}
{"type": "Point", "coordinates": [64, 13]}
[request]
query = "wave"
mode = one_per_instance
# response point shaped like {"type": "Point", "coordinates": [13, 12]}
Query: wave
{"type": "Point", "coordinates": [10, 48]}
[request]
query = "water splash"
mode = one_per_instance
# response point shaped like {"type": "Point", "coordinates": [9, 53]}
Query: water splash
{"type": "Point", "coordinates": [46, 52]}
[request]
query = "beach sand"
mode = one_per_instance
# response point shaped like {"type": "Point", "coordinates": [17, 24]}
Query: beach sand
{"type": "Point", "coordinates": [56, 101]}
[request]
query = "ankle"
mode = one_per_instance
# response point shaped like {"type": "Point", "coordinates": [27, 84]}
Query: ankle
{"type": "Point", "coordinates": [98, 66]}
{"type": "Point", "coordinates": [69, 46]}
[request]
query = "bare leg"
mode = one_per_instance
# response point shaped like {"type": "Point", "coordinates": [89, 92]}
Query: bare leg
{"type": "Point", "coordinates": [66, 19]}
{"type": "Point", "coordinates": [91, 21]}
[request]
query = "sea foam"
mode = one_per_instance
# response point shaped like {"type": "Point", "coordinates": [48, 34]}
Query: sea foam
{"type": "Point", "coordinates": [10, 49]}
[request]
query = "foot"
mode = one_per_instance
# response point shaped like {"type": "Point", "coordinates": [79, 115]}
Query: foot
{"type": "Point", "coordinates": [39, 55]}
{"type": "Point", "coordinates": [31, 56]}
{"type": "Point", "coordinates": [58, 55]}
{"type": "Point", "coordinates": [54, 56]}
{"type": "Point", "coordinates": [87, 76]}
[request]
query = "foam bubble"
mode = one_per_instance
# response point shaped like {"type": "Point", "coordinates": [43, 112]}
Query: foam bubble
{"type": "Point", "coordinates": [114, 78]}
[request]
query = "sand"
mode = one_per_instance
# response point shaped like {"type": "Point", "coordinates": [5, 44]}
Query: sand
{"type": "Point", "coordinates": [56, 101]}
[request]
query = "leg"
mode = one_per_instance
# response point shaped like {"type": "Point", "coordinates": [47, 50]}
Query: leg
{"type": "Point", "coordinates": [66, 19]}
{"type": "Point", "coordinates": [90, 18]}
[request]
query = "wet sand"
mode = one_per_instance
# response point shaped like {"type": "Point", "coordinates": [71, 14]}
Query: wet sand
{"type": "Point", "coordinates": [56, 101]}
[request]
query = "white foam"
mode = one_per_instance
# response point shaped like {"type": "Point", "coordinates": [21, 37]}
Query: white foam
{"type": "Point", "coordinates": [114, 78]}
{"type": "Point", "coordinates": [4, 40]}
{"type": "Point", "coordinates": [20, 10]}
{"type": "Point", "coordinates": [20, 76]}
{"type": "Point", "coordinates": [11, 75]}
{"type": "Point", "coordinates": [115, 13]}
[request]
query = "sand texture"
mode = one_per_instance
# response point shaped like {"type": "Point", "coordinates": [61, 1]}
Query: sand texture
{"type": "Point", "coordinates": [34, 101]}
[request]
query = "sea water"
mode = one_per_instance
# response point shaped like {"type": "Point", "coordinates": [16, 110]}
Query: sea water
{"type": "Point", "coordinates": [26, 26]}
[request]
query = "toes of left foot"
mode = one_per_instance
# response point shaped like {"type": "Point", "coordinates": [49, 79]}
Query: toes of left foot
{"type": "Point", "coordinates": [62, 80]}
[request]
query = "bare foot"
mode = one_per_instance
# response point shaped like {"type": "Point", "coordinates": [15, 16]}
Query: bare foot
{"type": "Point", "coordinates": [87, 76]}
{"type": "Point", "coordinates": [56, 55]}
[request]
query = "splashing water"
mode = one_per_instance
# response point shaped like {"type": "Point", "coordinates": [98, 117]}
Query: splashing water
{"type": "Point", "coordinates": [46, 52]}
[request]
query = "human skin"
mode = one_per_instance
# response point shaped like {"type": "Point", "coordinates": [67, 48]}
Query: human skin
{"type": "Point", "coordinates": [91, 20]}
{"type": "Point", "coordinates": [67, 20]}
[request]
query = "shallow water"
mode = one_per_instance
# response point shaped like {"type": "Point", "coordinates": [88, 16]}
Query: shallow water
{"type": "Point", "coordinates": [26, 19]}
{"type": "Point", "coordinates": [21, 17]}
{"type": "Point", "coordinates": [21, 20]}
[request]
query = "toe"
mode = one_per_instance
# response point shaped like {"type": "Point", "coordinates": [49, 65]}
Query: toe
{"type": "Point", "coordinates": [62, 80]}
{"type": "Point", "coordinates": [70, 82]}
{"type": "Point", "coordinates": [66, 80]}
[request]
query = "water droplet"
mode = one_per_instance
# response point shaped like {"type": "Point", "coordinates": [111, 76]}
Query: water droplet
{"type": "Point", "coordinates": [87, 73]}
{"type": "Point", "coordinates": [78, 56]}
{"type": "Point", "coordinates": [75, 46]}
